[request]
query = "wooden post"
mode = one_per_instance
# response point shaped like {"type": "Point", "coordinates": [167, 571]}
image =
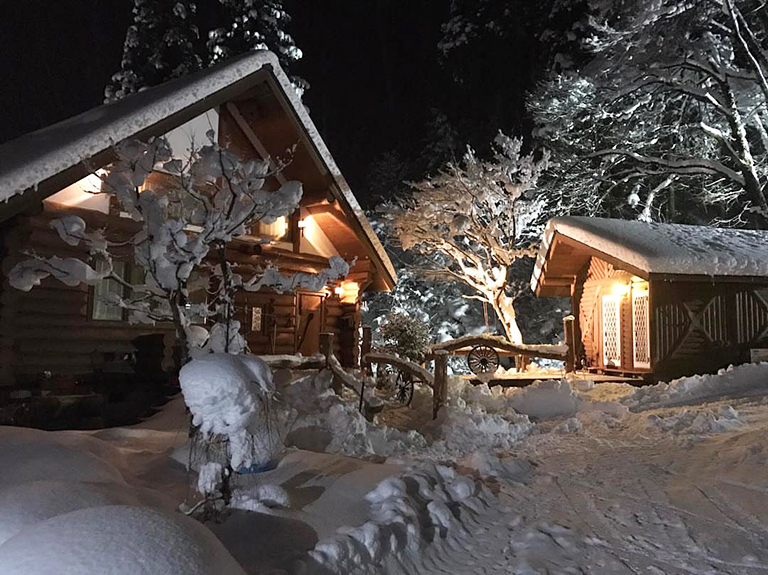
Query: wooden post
{"type": "Point", "coordinates": [570, 337]}
{"type": "Point", "coordinates": [440, 390]}
{"type": "Point", "coordinates": [365, 348]}
{"type": "Point", "coordinates": [326, 348]}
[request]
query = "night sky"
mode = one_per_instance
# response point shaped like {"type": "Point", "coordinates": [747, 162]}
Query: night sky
{"type": "Point", "coordinates": [373, 68]}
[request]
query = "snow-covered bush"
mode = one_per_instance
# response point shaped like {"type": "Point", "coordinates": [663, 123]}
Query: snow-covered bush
{"type": "Point", "coordinates": [405, 335]}
{"type": "Point", "coordinates": [231, 396]}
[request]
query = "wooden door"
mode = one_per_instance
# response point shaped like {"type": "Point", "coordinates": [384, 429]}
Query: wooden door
{"type": "Point", "coordinates": [611, 308]}
{"type": "Point", "coordinates": [309, 323]}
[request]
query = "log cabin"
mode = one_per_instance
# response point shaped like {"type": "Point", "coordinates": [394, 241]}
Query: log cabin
{"type": "Point", "coordinates": [55, 338]}
{"type": "Point", "coordinates": [658, 301]}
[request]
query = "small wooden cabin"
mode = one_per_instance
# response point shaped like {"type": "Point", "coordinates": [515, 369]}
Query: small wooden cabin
{"type": "Point", "coordinates": [58, 337]}
{"type": "Point", "coordinates": [658, 301]}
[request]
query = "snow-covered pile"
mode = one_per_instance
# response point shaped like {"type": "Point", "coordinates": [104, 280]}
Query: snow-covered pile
{"type": "Point", "coordinates": [407, 513]}
{"type": "Point", "coordinates": [704, 422]}
{"type": "Point", "coordinates": [546, 399]}
{"type": "Point", "coordinates": [230, 395]}
{"type": "Point", "coordinates": [117, 540]}
{"type": "Point", "coordinates": [734, 379]}
{"type": "Point", "coordinates": [66, 508]}
{"type": "Point", "coordinates": [321, 421]}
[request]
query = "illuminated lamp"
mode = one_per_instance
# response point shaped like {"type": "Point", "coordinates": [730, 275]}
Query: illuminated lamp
{"type": "Point", "coordinates": [620, 290]}
{"type": "Point", "coordinates": [339, 291]}
{"type": "Point", "coordinates": [301, 225]}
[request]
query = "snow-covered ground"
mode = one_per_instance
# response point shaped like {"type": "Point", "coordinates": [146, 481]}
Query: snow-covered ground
{"type": "Point", "coordinates": [559, 477]}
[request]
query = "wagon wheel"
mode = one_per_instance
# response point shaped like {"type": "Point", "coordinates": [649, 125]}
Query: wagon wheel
{"type": "Point", "coordinates": [404, 385]}
{"type": "Point", "coordinates": [482, 359]}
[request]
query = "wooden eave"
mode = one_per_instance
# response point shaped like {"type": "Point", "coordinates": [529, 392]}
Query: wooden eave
{"type": "Point", "coordinates": [385, 277]}
{"type": "Point", "coordinates": [563, 261]}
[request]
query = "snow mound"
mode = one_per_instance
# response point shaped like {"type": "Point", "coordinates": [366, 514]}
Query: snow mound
{"type": "Point", "coordinates": [321, 421]}
{"type": "Point", "coordinates": [32, 455]}
{"type": "Point", "coordinates": [261, 498]}
{"type": "Point", "coordinates": [407, 513]}
{"type": "Point", "coordinates": [734, 379]}
{"type": "Point", "coordinates": [228, 395]}
{"type": "Point", "coordinates": [117, 540]}
{"type": "Point", "coordinates": [465, 430]}
{"type": "Point", "coordinates": [703, 422]}
{"type": "Point", "coordinates": [23, 505]}
{"type": "Point", "coordinates": [546, 399]}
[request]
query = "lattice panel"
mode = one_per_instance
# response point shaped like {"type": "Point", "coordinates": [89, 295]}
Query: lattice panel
{"type": "Point", "coordinates": [611, 331]}
{"type": "Point", "coordinates": [641, 341]}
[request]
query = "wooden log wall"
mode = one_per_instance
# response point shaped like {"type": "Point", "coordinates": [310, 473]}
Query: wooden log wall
{"type": "Point", "coordinates": [48, 328]}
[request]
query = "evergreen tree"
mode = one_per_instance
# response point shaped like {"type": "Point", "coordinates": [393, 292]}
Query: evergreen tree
{"type": "Point", "coordinates": [255, 25]}
{"type": "Point", "coordinates": [161, 44]}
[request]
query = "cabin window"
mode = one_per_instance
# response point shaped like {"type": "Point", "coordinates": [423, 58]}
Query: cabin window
{"type": "Point", "coordinates": [280, 229]}
{"type": "Point", "coordinates": [257, 319]}
{"type": "Point", "coordinates": [105, 290]}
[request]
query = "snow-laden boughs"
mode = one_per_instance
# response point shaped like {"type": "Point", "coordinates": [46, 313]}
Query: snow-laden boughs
{"type": "Point", "coordinates": [670, 118]}
{"type": "Point", "coordinates": [482, 216]}
{"type": "Point", "coordinates": [184, 227]}
{"type": "Point", "coordinates": [162, 43]}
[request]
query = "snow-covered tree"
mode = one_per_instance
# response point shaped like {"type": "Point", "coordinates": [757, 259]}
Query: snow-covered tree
{"type": "Point", "coordinates": [162, 43]}
{"type": "Point", "coordinates": [184, 225]}
{"type": "Point", "coordinates": [482, 217]}
{"type": "Point", "coordinates": [255, 25]}
{"type": "Point", "coordinates": [669, 119]}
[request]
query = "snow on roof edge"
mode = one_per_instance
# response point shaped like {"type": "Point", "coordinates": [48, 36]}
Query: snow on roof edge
{"type": "Point", "coordinates": [33, 158]}
{"type": "Point", "coordinates": [333, 168]}
{"type": "Point", "coordinates": [677, 249]}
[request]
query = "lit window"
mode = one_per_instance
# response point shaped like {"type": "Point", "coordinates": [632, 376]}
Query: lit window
{"type": "Point", "coordinates": [104, 290]}
{"type": "Point", "coordinates": [256, 319]}
{"type": "Point", "coordinates": [278, 230]}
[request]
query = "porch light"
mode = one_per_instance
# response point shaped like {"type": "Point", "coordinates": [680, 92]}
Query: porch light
{"type": "Point", "coordinates": [301, 224]}
{"type": "Point", "coordinates": [339, 291]}
{"type": "Point", "coordinates": [620, 290]}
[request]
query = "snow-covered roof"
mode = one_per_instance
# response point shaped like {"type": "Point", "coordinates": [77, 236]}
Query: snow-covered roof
{"type": "Point", "coordinates": [656, 248]}
{"type": "Point", "coordinates": [54, 157]}
{"type": "Point", "coordinates": [28, 161]}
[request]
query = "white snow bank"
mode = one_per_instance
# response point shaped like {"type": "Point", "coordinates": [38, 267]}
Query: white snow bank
{"type": "Point", "coordinates": [321, 421]}
{"type": "Point", "coordinates": [25, 504]}
{"type": "Point", "coordinates": [546, 399]}
{"type": "Point", "coordinates": [407, 513]}
{"type": "Point", "coordinates": [261, 498]}
{"type": "Point", "coordinates": [230, 395]}
{"type": "Point", "coordinates": [734, 379]}
{"type": "Point", "coordinates": [472, 421]}
{"type": "Point", "coordinates": [689, 422]}
{"type": "Point", "coordinates": [31, 455]}
{"type": "Point", "coordinates": [117, 540]}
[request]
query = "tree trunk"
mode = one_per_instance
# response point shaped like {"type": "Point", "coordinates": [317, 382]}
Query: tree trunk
{"type": "Point", "coordinates": [505, 310]}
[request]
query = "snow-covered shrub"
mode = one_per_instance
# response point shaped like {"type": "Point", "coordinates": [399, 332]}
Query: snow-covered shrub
{"type": "Point", "coordinates": [405, 335]}
{"type": "Point", "coordinates": [231, 396]}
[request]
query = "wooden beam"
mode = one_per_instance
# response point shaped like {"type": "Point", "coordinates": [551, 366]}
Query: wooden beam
{"type": "Point", "coordinates": [254, 139]}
